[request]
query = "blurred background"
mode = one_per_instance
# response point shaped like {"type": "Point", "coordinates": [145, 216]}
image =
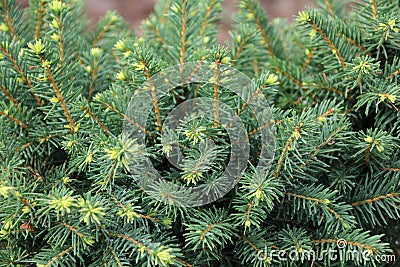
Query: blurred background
{"type": "Point", "coordinates": [134, 11]}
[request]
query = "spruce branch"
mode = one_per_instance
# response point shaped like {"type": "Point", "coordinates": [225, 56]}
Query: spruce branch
{"type": "Point", "coordinates": [7, 6]}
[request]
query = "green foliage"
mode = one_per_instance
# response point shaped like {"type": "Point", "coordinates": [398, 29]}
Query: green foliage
{"type": "Point", "coordinates": [68, 195]}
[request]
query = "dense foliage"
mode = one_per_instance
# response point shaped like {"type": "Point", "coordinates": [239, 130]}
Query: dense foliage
{"type": "Point", "coordinates": [68, 190]}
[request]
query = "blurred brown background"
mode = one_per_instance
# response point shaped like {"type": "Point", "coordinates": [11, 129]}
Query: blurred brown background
{"type": "Point", "coordinates": [135, 11]}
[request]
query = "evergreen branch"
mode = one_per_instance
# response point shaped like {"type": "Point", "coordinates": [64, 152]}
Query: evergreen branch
{"type": "Point", "coordinates": [325, 205]}
{"type": "Point", "coordinates": [385, 34]}
{"type": "Point", "coordinates": [132, 240]}
{"type": "Point", "coordinates": [40, 140]}
{"type": "Point", "coordinates": [204, 232]}
{"type": "Point", "coordinates": [391, 169]}
{"type": "Point", "coordinates": [149, 217]}
{"type": "Point", "coordinates": [9, 20]}
{"type": "Point", "coordinates": [198, 166]}
{"type": "Point", "coordinates": [20, 71]}
{"type": "Point", "coordinates": [141, 246]}
{"type": "Point", "coordinates": [60, 97]}
{"type": "Point", "coordinates": [112, 172]}
{"type": "Point", "coordinates": [207, 17]}
{"type": "Point", "coordinates": [308, 59]}
{"type": "Point", "coordinates": [72, 229]}
{"type": "Point", "coordinates": [95, 118]}
{"type": "Point", "coordinates": [356, 244]}
{"type": "Point", "coordinates": [331, 89]}
{"type": "Point", "coordinates": [247, 103]}
{"type": "Point", "coordinates": [14, 119]}
{"type": "Point", "coordinates": [328, 139]}
{"type": "Point", "coordinates": [250, 207]}
{"type": "Point", "coordinates": [131, 121]}
{"type": "Point", "coordinates": [283, 40]}
{"type": "Point", "coordinates": [40, 12]}
{"type": "Point", "coordinates": [106, 261]}
{"type": "Point", "coordinates": [58, 256]}
{"type": "Point", "coordinates": [240, 48]}
{"type": "Point", "coordinates": [93, 74]}
{"type": "Point", "coordinates": [157, 33]}
{"type": "Point", "coordinates": [286, 149]}
{"type": "Point", "coordinates": [183, 33]}
{"type": "Point", "coordinates": [393, 74]}
{"type": "Point", "coordinates": [184, 262]}
{"type": "Point", "coordinates": [374, 8]}
{"type": "Point", "coordinates": [328, 42]}
{"type": "Point", "coordinates": [329, 7]}
{"type": "Point", "coordinates": [367, 154]}
{"type": "Point", "coordinates": [287, 75]}
{"type": "Point", "coordinates": [24, 146]}
{"type": "Point", "coordinates": [337, 215]}
{"type": "Point", "coordinates": [36, 174]}
{"type": "Point", "coordinates": [348, 111]}
{"type": "Point", "coordinates": [326, 113]}
{"type": "Point", "coordinates": [394, 107]}
{"type": "Point", "coordinates": [256, 69]}
{"type": "Point", "coordinates": [354, 43]}
{"type": "Point", "coordinates": [306, 198]}
{"type": "Point", "coordinates": [216, 96]}
{"type": "Point", "coordinates": [23, 200]}
{"type": "Point", "coordinates": [262, 30]}
{"type": "Point", "coordinates": [378, 198]}
{"type": "Point", "coordinates": [199, 64]}
{"type": "Point", "coordinates": [255, 131]}
{"type": "Point", "coordinates": [259, 252]}
{"type": "Point", "coordinates": [115, 256]}
{"type": "Point", "coordinates": [9, 95]}
{"type": "Point", "coordinates": [119, 203]}
{"type": "Point", "coordinates": [162, 20]}
{"type": "Point", "coordinates": [153, 96]}
{"type": "Point", "coordinates": [312, 96]}
{"type": "Point", "coordinates": [61, 40]}
{"type": "Point", "coordinates": [105, 29]}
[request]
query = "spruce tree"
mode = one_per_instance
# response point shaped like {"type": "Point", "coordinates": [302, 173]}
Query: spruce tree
{"type": "Point", "coordinates": [112, 143]}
